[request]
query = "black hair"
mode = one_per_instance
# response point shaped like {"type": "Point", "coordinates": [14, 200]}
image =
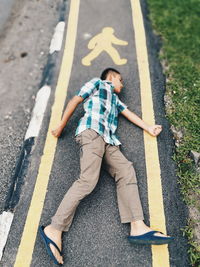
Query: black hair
{"type": "Point", "coordinates": [104, 74]}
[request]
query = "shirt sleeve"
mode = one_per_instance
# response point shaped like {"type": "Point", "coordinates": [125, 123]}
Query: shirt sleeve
{"type": "Point", "coordinates": [88, 88]}
{"type": "Point", "coordinates": [120, 105]}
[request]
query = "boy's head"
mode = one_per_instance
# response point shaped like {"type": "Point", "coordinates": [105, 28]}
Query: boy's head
{"type": "Point", "coordinates": [115, 77]}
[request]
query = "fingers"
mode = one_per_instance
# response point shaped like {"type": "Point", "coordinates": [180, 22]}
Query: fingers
{"type": "Point", "coordinates": [157, 129]}
{"type": "Point", "coordinates": [55, 133]}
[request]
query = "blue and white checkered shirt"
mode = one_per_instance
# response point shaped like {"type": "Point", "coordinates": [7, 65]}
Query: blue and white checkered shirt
{"type": "Point", "coordinates": [102, 107]}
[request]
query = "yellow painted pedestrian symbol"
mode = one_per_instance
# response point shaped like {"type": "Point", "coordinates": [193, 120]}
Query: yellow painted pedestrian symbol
{"type": "Point", "coordinates": [103, 42]}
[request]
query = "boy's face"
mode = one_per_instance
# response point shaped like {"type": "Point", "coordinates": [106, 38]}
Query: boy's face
{"type": "Point", "coordinates": [117, 81]}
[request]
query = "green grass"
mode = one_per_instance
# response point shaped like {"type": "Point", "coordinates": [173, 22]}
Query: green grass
{"type": "Point", "coordinates": [178, 25]}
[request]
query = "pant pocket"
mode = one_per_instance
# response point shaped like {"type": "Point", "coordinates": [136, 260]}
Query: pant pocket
{"type": "Point", "coordinates": [87, 136]}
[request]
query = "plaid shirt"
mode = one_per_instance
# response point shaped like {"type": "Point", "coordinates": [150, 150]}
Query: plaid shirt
{"type": "Point", "coordinates": [102, 107]}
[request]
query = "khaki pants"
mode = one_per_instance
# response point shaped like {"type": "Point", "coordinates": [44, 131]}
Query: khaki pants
{"type": "Point", "coordinates": [93, 149]}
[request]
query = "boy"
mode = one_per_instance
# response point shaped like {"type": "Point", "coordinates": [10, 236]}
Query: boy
{"type": "Point", "coordinates": [96, 135]}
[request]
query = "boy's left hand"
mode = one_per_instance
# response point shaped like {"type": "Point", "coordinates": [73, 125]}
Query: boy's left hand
{"type": "Point", "coordinates": [154, 130]}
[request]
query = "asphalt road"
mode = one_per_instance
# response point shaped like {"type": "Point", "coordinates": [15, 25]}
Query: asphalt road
{"type": "Point", "coordinates": [5, 9]}
{"type": "Point", "coordinates": [97, 238]}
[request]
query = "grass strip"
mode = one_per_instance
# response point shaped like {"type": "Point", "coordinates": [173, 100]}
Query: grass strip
{"type": "Point", "coordinates": [178, 25]}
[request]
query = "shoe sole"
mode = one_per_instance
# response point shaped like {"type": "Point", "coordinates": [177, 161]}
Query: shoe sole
{"type": "Point", "coordinates": [150, 242]}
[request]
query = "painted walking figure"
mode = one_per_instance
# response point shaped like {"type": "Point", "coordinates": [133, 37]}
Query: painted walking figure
{"type": "Point", "coordinates": [103, 42]}
{"type": "Point", "coordinates": [96, 136]}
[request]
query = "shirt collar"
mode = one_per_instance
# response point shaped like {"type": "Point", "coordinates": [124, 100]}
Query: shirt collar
{"type": "Point", "coordinates": [111, 85]}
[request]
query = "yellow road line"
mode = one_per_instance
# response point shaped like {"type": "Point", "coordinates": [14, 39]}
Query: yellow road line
{"type": "Point", "coordinates": [25, 250]}
{"type": "Point", "coordinates": [160, 254]}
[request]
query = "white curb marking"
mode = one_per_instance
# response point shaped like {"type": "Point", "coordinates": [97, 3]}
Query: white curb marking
{"type": "Point", "coordinates": [38, 112]}
{"type": "Point", "coordinates": [42, 97]}
{"type": "Point", "coordinates": [5, 224]}
{"type": "Point", "coordinates": [56, 42]}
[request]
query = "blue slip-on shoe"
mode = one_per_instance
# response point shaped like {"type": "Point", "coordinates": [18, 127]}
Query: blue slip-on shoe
{"type": "Point", "coordinates": [150, 238]}
{"type": "Point", "coordinates": [47, 241]}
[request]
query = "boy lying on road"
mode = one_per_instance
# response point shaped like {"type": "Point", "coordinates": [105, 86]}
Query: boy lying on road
{"type": "Point", "coordinates": [96, 135]}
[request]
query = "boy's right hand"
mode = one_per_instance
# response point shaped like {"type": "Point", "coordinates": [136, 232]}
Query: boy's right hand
{"type": "Point", "coordinates": [57, 131]}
